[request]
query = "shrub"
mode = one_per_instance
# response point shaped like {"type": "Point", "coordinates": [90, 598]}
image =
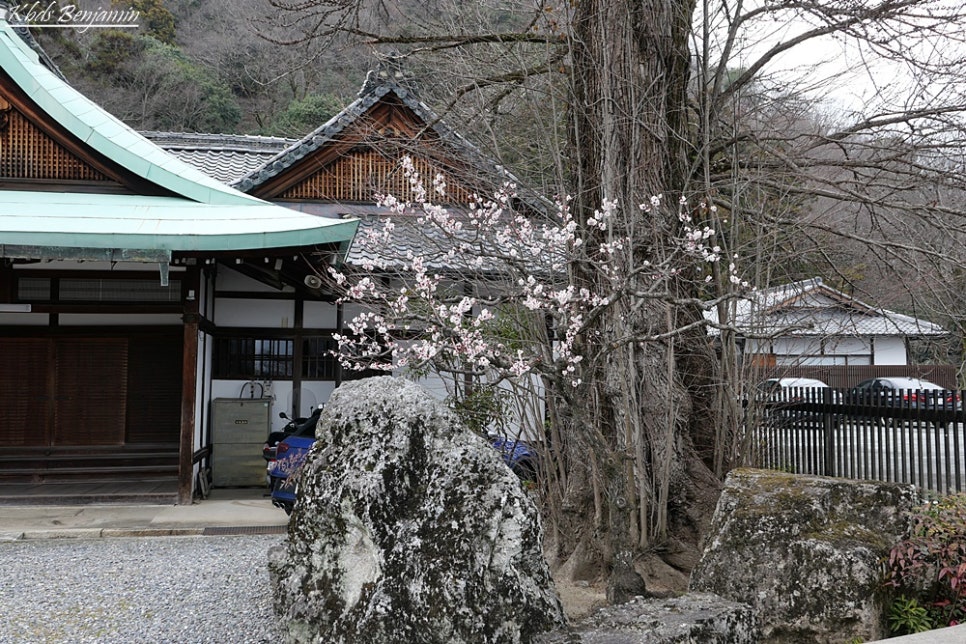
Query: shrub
{"type": "Point", "coordinates": [928, 569]}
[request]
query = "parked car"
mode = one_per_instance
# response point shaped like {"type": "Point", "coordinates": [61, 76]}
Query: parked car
{"type": "Point", "coordinates": [519, 455]}
{"type": "Point", "coordinates": [779, 394]}
{"type": "Point", "coordinates": [905, 393]}
{"type": "Point", "coordinates": [291, 453]}
{"type": "Point", "coordinates": [800, 389]}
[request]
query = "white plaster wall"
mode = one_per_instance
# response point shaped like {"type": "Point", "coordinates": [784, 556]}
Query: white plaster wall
{"type": "Point", "coordinates": [435, 384]}
{"type": "Point", "coordinates": [201, 405]}
{"type": "Point", "coordinates": [270, 314]}
{"type": "Point", "coordinates": [844, 345]}
{"type": "Point", "coordinates": [890, 351]}
{"type": "Point", "coordinates": [240, 389]}
{"type": "Point", "coordinates": [525, 414]}
{"type": "Point", "coordinates": [797, 346]}
{"type": "Point", "coordinates": [810, 351]}
{"type": "Point", "coordinates": [314, 393]}
{"type": "Point", "coordinates": [203, 392]}
{"type": "Point", "coordinates": [319, 315]}
{"type": "Point", "coordinates": [350, 310]}
{"type": "Point", "coordinates": [754, 345]}
{"type": "Point", "coordinates": [231, 280]}
{"type": "Point", "coordinates": [280, 392]}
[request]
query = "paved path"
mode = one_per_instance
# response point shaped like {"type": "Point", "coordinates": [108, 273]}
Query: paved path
{"type": "Point", "coordinates": [225, 511]}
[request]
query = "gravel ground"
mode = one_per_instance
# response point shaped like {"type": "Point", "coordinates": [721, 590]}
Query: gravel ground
{"type": "Point", "coordinates": [151, 590]}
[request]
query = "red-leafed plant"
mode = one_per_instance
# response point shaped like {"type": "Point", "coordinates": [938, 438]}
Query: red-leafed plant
{"type": "Point", "coordinates": [928, 569]}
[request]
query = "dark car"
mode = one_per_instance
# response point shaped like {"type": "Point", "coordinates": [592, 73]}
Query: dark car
{"type": "Point", "coordinates": [291, 453]}
{"type": "Point", "coordinates": [905, 393]}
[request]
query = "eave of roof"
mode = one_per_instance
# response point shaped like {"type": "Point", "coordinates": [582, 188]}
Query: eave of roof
{"type": "Point", "coordinates": [103, 132]}
{"type": "Point", "coordinates": [83, 220]}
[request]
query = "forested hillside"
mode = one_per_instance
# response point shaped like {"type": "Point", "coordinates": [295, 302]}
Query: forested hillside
{"type": "Point", "coordinates": [201, 65]}
{"type": "Point", "coordinates": [239, 67]}
{"type": "Point", "coordinates": [831, 192]}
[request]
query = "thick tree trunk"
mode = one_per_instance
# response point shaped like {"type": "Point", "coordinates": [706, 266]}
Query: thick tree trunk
{"type": "Point", "coordinates": [629, 118]}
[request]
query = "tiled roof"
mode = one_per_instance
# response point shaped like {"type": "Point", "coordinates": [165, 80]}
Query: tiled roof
{"type": "Point", "coordinates": [408, 236]}
{"type": "Point", "coordinates": [379, 84]}
{"type": "Point", "coordinates": [226, 157]}
{"type": "Point", "coordinates": [812, 308]}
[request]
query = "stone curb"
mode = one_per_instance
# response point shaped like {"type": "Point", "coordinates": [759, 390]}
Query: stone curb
{"type": "Point", "coordinates": [152, 532]}
{"type": "Point", "coordinates": [98, 533]}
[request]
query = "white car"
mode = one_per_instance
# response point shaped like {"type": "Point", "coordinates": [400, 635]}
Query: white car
{"type": "Point", "coordinates": [792, 391]}
{"type": "Point", "coordinates": [801, 387]}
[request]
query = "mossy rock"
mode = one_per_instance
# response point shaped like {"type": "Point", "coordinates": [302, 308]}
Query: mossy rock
{"type": "Point", "coordinates": [806, 552]}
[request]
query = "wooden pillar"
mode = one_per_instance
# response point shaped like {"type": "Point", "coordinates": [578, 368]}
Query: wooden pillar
{"type": "Point", "coordinates": [189, 387]}
{"type": "Point", "coordinates": [7, 282]}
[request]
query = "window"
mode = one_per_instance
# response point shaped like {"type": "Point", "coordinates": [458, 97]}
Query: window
{"type": "Point", "coordinates": [83, 290]}
{"type": "Point", "coordinates": [96, 290]}
{"type": "Point", "coordinates": [248, 358]}
{"type": "Point", "coordinates": [318, 359]}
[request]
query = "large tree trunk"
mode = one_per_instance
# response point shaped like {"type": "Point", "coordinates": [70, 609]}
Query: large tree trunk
{"type": "Point", "coordinates": [630, 63]}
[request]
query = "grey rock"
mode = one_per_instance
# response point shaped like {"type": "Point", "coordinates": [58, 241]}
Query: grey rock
{"type": "Point", "coordinates": [696, 618]}
{"type": "Point", "coordinates": [805, 552]}
{"type": "Point", "coordinates": [409, 528]}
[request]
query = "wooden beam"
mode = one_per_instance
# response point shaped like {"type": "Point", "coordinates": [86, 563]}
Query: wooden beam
{"type": "Point", "coordinates": [189, 385]}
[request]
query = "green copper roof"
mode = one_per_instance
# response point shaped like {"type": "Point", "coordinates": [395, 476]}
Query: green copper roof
{"type": "Point", "coordinates": [83, 220]}
{"type": "Point", "coordinates": [103, 132]}
{"type": "Point", "coordinates": [205, 215]}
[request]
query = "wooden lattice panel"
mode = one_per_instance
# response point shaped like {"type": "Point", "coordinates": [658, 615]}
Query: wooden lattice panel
{"type": "Point", "coordinates": [362, 175]}
{"type": "Point", "coordinates": [28, 153]}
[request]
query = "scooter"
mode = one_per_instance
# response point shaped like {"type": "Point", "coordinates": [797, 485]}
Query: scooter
{"type": "Point", "coordinates": [293, 426]}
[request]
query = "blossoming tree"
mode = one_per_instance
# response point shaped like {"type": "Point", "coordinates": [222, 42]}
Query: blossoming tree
{"type": "Point", "coordinates": [494, 301]}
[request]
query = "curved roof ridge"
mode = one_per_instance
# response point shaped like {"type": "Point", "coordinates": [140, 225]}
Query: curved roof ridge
{"type": "Point", "coordinates": [103, 132]}
{"type": "Point", "coordinates": [311, 141]}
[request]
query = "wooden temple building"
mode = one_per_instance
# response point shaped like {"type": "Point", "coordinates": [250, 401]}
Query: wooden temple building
{"type": "Point", "coordinates": [159, 293]}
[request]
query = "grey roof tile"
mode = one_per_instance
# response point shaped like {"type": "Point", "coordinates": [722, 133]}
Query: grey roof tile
{"type": "Point", "coordinates": [226, 157]}
{"type": "Point", "coordinates": [812, 308]}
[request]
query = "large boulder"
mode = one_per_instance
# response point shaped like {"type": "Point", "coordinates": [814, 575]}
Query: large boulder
{"type": "Point", "coordinates": [806, 552]}
{"type": "Point", "coordinates": [409, 528]}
